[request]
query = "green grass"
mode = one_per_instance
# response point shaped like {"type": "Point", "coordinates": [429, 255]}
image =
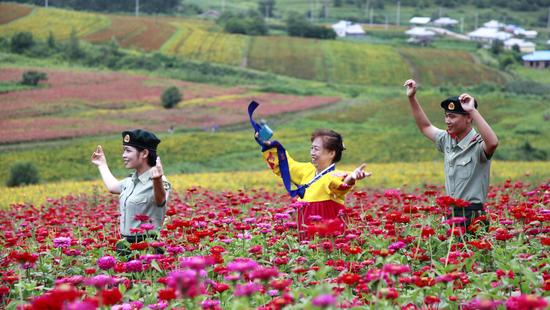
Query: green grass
{"type": "Point", "coordinates": [6, 87]}
{"type": "Point", "coordinates": [448, 67]}
{"type": "Point", "coordinates": [537, 75]}
{"type": "Point", "coordinates": [377, 127]}
{"type": "Point", "coordinates": [378, 59]}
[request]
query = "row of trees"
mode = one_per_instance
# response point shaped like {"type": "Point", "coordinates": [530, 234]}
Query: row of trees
{"type": "Point", "coordinates": [521, 5]}
{"type": "Point", "coordinates": [147, 6]}
{"type": "Point", "coordinates": [251, 23]}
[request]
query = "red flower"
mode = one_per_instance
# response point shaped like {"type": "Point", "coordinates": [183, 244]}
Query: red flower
{"type": "Point", "coordinates": [280, 284]}
{"type": "Point", "coordinates": [503, 235]}
{"type": "Point", "coordinates": [55, 298]}
{"type": "Point", "coordinates": [110, 297]}
{"type": "Point", "coordinates": [217, 249]}
{"type": "Point", "coordinates": [388, 293]}
{"type": "Point", "coordinates": [350, 249]}
{"type": "Point", "coordinates": [427, 231]}
{"type": "Point", "coordinates": [430, 299]}
{"type": "Point", "coordinates": [349, 278]}
{"type": "Point", "coordinates": [139, 246]}
{"type": "Point", "coordinates": [167, 294]}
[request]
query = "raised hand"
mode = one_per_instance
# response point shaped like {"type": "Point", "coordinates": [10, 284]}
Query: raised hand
{"type": "Point", "coordinates": [156, 171]}
{"type": "Point", "coordinates": [98, 157]}
{"type": "Point", "coordinates": [359, 173]}
{"type": "Point", "coordinates": [257, 136]}
{"type": "Point", "coordinates": [467, 102]}
{"type": "Point", "coordinates": [411, 87]}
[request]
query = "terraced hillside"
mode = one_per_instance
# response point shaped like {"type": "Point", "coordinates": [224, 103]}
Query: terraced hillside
{"type": "Point", "coordinates": [338, 62]}
{"type": "Point", "coordinates": [75, 103]}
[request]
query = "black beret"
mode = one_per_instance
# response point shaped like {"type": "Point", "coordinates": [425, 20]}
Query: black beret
{"type": "Point", "coordinates": [453, 105]}
{"type": "Point", "coordinates": [140, 138]}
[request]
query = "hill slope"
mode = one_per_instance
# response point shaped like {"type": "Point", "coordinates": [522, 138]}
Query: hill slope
{"type": "Point", "coordinates": [327, 61]}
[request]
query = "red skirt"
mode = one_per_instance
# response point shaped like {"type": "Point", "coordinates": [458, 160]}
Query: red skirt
{"type": "Point", "coordinates": [314, 213]}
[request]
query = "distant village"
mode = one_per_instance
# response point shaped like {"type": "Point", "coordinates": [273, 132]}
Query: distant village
{"type": "Point", "coordinates": [424, 31]}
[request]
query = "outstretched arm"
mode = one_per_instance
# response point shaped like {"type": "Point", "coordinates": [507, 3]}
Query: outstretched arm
{"type": "Point", "coordinates": [358, 174]}
{"type": "Point", "coordinates": [422, 121]}
{"type": "Point", "coordinates": [98, 159]}
{"type": "Point", "coordinates": [490, 139]}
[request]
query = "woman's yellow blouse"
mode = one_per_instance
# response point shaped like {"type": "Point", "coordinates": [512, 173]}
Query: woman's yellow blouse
{"type": "Point", "coordinates": [331, 186]}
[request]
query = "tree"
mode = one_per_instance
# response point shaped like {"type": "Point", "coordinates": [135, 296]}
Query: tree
{"type": "Point", "coordinates": [23, 174]}
{"type": "Point", "coordinates": [51, 41]}
{"type": "Point", "coordinates": [73, 48]}
{"type": "Point", "coordinates": [296, 24]}
{"type": "Point", "coordinates": [171, 97]}
{"type": "Point", "coordinates": [266, 7]}
{"type": "Point", "coordinates": [299, 26]}
{"type": "Point", "coordinates": [21, 42]}
{"type": "Point", "coordinates": [32, 78]}
{"type": "Point", "coordinates": [250, 23]}
{"type": "Point", "coordinates": [497, 47]}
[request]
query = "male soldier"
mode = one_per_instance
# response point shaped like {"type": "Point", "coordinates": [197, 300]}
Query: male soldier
{"type": "Point", "coordinates": [467, 153]}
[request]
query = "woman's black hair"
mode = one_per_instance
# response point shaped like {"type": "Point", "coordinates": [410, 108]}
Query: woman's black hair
{"type": "Point", "coordinates": [152, 158]}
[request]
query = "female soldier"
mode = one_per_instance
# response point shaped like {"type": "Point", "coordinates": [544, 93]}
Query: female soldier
{"type": "Point", "coordinates": [325, 188]}
{"type": "Point", "coordinates": [143, 195]}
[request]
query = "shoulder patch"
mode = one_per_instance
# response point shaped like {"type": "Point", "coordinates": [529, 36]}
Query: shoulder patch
{"type": "Point", "coordinates": [477, 139]}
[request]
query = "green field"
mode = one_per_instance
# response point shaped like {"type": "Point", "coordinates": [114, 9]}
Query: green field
{"type": "Point", "coordinates": [373, 114]}
{"type": "Point", "coordinates": [339, 62]}
{"type": "Point", "coordinates": [377, 127]}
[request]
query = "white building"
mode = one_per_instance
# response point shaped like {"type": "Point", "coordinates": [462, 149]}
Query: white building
{"type": "Point", "coordinates": [488, 35]}
{"type": "Point", "coordinates": [420, 21]}
{"type": "Point", "coordinates": [445, 22]}
{"type": "Point", "coordinates": [530, 34]}
{"type": "Point", "coordinates": [494, 24]}
{"type": "Point", "coordinates": [345, 28]}
{"type": "Point", "coordinates": [524, 46]}
{"type": "Point", "coordinates": [420, 35]}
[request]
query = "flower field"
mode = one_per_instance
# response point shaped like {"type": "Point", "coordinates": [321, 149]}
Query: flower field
{"type": "Point", "coordinates": [433, 67]}
{"type": "Point", "coordinates": [239, 250]}
{"type": "Point", "coordinates": [84, 103]}
{"type": "Point", "coordinates": [144, 33]}
{"type": "Point", "coordinates": [337, 62]}
{"type": "Point", "coordinates": [385, 175]}
{"type": "Point", "coordinates": [60, 22]}
{"type": "Point", "coordinates": [193, 40]}
{"type": "Point", "coordinates": [11, 11]}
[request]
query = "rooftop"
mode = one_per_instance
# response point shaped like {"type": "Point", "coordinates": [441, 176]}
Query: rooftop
{"type": "Point", "coordinates": [537, 56]}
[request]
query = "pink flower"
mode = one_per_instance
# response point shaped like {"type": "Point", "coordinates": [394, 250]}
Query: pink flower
{"type": "Point", "coordinates": [324, 301]}
{"type": "Point", "coordinates": [397, 245]}
{"type": "Point", "coordinates": [100, 281]}
{"type": "Point", "coordinates": [62, 242]}
{"type": "Point", "coordinates": [264, 274]}
{"type": "Point", "coordinates": [247, 289]}
{"type": "Point", "coordinates": [106, 262]}
{"type": "Point", "coordinates": [196, 262]}
{"type": "Point", "coordinates": [242, 265]}
{"type": "Point", "coordinates": [526, 302]}
{"type": "Point", "coordinates": [395, 269]}
{"type": "Point", "coordinates": [210, 304]}
{"type": "Point", "coordinates": [147, 226]}
{"type": "Point", "coordinates": [134, 266]}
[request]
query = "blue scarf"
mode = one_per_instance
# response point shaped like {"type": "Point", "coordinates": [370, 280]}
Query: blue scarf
{"type": "Point", "coordinates": [283, 161]}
